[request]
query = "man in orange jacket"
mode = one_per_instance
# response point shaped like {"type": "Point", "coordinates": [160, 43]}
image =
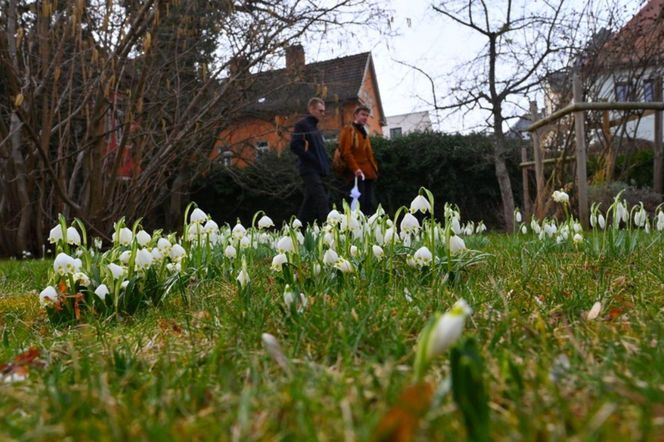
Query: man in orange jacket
{"type": "Point", "coordinates": [355, 148]}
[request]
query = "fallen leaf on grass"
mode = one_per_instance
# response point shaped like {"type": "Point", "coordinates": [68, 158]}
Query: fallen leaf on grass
{"type": "Point", "coordinates": [18, 369]}
{"type": "Point", "coordinates": [400, 422]}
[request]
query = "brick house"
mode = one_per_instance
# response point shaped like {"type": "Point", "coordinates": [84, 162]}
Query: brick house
{"type": "Point", "coordinates": [277, 99]}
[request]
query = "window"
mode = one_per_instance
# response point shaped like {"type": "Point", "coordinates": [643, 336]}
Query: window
{"type": "Point", "coordinates": [649, 90]}
{"type": "Point", "coordinates": [262, 146]}
{"type": "Point", "coordinates": [227, 157]}
{"type": "Point", "coordinates": [395, 132]}
{"type": "Point", "coordinates": [622, 91]}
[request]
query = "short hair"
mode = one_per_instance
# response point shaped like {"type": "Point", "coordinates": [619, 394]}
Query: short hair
{"type": "Point", "coordinates": [315, 100]}
{"type": "Point", "coordinates": [361, 108]}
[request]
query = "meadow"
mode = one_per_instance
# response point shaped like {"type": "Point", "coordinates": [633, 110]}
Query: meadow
{"type": "Point", "coordinates": [287, 333]}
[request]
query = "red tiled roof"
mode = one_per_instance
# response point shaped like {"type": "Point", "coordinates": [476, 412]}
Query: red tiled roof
{"type": "Point", "coordinates": [285, 91]}
{"type": "Point", "coordinates": [641, 40]}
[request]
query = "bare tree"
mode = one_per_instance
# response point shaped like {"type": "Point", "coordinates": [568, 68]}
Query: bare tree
{"type": "Point", "coordinates": [522, 43]}
{"type": "Point", "coordinates": [109, 108]}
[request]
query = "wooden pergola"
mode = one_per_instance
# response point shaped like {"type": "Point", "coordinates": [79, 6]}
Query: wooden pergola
{"type": "Point", "coordinates": [578, 107]}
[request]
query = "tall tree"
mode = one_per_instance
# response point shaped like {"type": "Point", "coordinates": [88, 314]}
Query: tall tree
{"type": "Point", "coordinates": [107, 108]}
{"type": "Point", "coordinates": [523, 41]}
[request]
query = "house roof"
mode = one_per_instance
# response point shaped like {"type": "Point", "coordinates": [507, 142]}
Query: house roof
{"type": "Point", "coordinates": [285, 91]}
{"type": "Point", "coordinates": [640, 41]}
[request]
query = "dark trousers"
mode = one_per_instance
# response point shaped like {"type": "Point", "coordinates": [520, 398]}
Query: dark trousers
{"type": "Point", "coordinates": [315, 205]}
{"type": "Point", "coordinates": [366, 188]}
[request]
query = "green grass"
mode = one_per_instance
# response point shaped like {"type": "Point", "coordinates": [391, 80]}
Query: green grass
{"type": "Point", "coordinates": [199, 371]}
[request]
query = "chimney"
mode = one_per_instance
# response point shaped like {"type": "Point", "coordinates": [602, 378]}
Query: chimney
{"type": "Point", "coordinates": [295, 58]}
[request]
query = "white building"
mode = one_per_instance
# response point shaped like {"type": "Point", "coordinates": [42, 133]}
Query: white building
{"type": "Point", "coordinates": [398, 125]}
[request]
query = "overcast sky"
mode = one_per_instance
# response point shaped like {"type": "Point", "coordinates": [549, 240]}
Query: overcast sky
{"type": "Point", "coordinates": [427, 40]}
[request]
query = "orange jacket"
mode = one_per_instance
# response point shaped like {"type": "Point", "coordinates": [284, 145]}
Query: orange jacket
{"type": "Point", "coordinates": [357, 152]}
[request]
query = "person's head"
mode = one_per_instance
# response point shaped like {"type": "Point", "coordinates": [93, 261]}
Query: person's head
{"type": "Point", "coordinates": [361, 115]}
{"type": "Point", "coordinates": [316, 107]}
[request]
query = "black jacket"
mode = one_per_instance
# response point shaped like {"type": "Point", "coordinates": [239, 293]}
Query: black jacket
{"type": "Point", "coordinates": [314, 157]}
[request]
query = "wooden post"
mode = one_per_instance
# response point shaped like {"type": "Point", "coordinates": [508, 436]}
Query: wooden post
{"type": "Point", "coordinates": [527, 208]}
{"type": "Point", "coordinates": [658, 154]}
{"type": "Point", "coordinates": [539, 166]}
{"type": "Point", "coordinates": [580, 133]}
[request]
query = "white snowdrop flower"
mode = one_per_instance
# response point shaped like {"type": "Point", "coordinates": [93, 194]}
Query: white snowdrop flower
{"type": "Point", "coordinates": [660, 221]}
{"type": "Point", "coordinates": [102, 291]}
{"type": "Point", "coordinates": [264, 238]}
{"type": "Point", "coordinates": [330, 257]}
{"type": "Point", "coordinates": [373, 218]}
{"type": "Point", "coordinates": [406, 240]}
{"type": "Point", "coordinates": [292, 299]}
{"type": "Point", "coordinates": [142, 238]}
{"type": "Point", "coordinates": [468, 229]}
{"type": "Point", "coordinates": [328, 239]}
{"type": "Point", "coordinates": [577, 228]}
{"type": "Point", "coordinates": [174, 267]}
{"type": "Point", "coordinates": [316, 269]}
{"type": "Point", "coordinates": [456, 227]}
{"type": "Point", "coordinates": [211, 227]}
{"type": "Point", "coordinates": [55, 234]}
{"type": "Point", "coordinates": [124, 257]}
{"type": "Point", "coordinates": [334, 217]}
{"type": "Point", "coordinates": [593, 220]}
{"type": "Point", "coordinates": [448, 329]}
{"type": "Point", "coordinates": [420, 204]}
{"type": "Point", "coordinates": [378, 251]}
{"type": "Point", "coordinates": [407, 295]}
{"type": "Point", "coordinates": [524, 229]}
{"type": "Point", "coordinates": [73, 237]}
{"type": "Point", "coordinates": [48, 296]}
{"type": "Point", "coordinates": [82, 279]}
{"type": "Point", "coordinates": [157, 255]}
{"type": "Point", "coordinates": [550, 229]}
{"type": "Point", "coordinates": [621, 213]}
{"type": "Point", "coordinates": [296, 224]}
{"type": "Point", "coordinates": [560, 239]}
{"type": "Point", "coordinates": [409, 224]}
{"type": "Point", "coordinates": [456, 244]}
{"type": "Point", "coordinates": [230, 252]}
{"type": "Point", "coordinates": [535, 227]}
{"type": "Point", "coordinates": [601, 221]}
{"type": "Point", "coordinates": [344, 265]}
{"type": "Point", "coordinates": [177, 252]}
{"type": "Point", "coordinates": [124, 236]}
{"type": "Point", "coordinates": [197, 216]}
{"type": "Point", "coordinates": [378, 235]}
{"type": "Point", "coordinates": [265, 222]}
{"type": "Point", "coordinates": [243, 276]}
{"type": "Point", "coordinates": [481, 228]}
{"type": "Point", "coordinates": [541, 235]}
{"type": "Point", "coordinates": [97, 243]}
{"type": "Point", "coordinates": [245, 242]}
{"type": "Point", "coordinates": [164, 245]}
{"type": "Point", "coordinates": [278, 261]}
{"type": "Point", "coordinates": [238, 231]}
{"type": "Point", "coordinates": [143, 259]}
{"type": "Point", "coordinates": [285, 245]}
{"type": "Point", "coordinates": [194, 231]}
{"type": "Point", "coordinates": [640, 217]}
{"type": "Point", "coordinates": [561, 197]}
{"type": "Point", "coordinates": [300, 237]}
{"type": "Point", "coordinates": [124, 284]}
{"type": "Point", "coordinates": [517, 216]}
{"type": "Point", "coordinates": [353, 251]}
{"type": "Point", "coordinates": [63, 264]}
{"type": "Point", "coordinates": [422, 257]}
{"type": "Point", "coordinates": [116, 270]}
{"type": "Point", "coordinates": [578, 238]}
{"type": "Point", "coordinates": [594, 311]}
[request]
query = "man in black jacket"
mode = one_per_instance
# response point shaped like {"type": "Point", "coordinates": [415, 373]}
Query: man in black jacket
{"type": "Point", "coordinates": [313, 163]}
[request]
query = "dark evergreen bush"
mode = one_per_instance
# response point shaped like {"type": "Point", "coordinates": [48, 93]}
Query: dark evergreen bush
{"type": "Point", "coordinates": [456, 168]}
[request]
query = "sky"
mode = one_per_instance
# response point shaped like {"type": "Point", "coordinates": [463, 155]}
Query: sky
{"type": "Point", "coordinates": [425, 39]}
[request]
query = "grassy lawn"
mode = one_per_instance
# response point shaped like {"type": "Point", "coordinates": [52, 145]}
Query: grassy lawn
{"type": "Point", "coordinates": [194, 368]}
